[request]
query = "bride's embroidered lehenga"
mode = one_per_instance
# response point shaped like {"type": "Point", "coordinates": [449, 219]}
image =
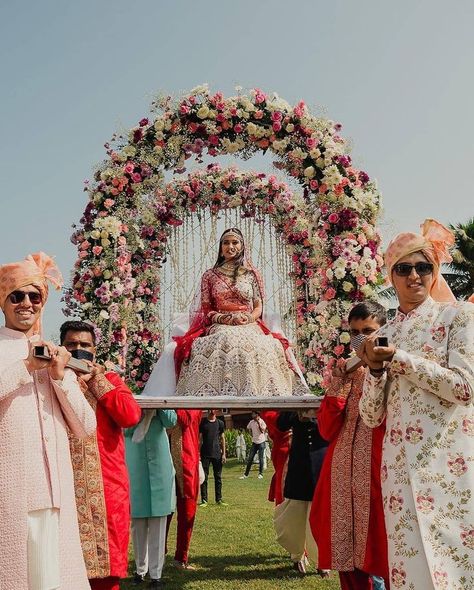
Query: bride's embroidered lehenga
{"type": "Point", "coordinates": [235, 360]}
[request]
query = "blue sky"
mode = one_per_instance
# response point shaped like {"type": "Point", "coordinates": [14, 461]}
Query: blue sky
{"type": "Point", "coordinates": [398, 76]}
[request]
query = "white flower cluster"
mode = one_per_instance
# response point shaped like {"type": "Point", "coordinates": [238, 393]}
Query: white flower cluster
{"type": "Point", "coordinates": [106, 228]}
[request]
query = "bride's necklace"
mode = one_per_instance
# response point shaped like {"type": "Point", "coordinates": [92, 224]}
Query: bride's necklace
{"type": "Point", "coordinates": [227, 269]}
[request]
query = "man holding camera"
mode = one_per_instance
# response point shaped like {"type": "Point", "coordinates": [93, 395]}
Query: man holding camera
{"type": "Point", "coordinates": [100, 473]}
{"type": "Point", "coordinates": [347, 517]}
{"type": "Point", "coordinates": [40, 400]}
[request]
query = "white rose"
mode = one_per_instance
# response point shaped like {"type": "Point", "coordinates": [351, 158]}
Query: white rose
{"type": "Point", "coordinates": [345, 338]}
{"type": "Point", "coordinates": [107, 274]}
{"type": "Point", "coordinates": [104, 314]}
{"type": "Point", "coordinates": [203, 112]}
{"type": "Point", "coordinates": [340, 272]}
{"type": "Point", "coordinates": [251, 128]}
{"type": "Point", "coordinates": [335, 321]}
{"type": "Point", "coordinates": [329, 274]}
{"type": "Point", "coordinates": [347, 286]}
{"type": "Point", "coordinates": [129, 150]}
{"type": "Point", "coordinates": [311, 378]}
{"type": "Point", "coordinates": [309, 172]}
{"type": "Point", "coordinates": [159, 125]}
{"type": "Point", "coordinates": [290, 127]}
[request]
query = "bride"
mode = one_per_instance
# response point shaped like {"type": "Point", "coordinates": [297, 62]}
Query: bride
{"type": "Point", "coordinates": [228, 350]}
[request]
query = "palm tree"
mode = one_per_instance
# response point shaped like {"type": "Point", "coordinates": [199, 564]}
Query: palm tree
{"type": "Point", "coordinates": [460, 272]}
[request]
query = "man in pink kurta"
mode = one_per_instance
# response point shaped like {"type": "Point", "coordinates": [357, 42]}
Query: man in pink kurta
{"type": "Point", "coordinates": [39, 400]}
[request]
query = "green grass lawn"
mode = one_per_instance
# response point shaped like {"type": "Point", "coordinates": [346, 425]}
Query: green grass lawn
{"type": "Point", "coordinates": [234, 547]}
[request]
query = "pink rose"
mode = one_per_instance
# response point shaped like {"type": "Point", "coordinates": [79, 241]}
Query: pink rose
{"type": "Point", "coordinates": [339, 349]}
{"type": "Point", "coordinates": [311, 142]}
{"type": "Point", "coordinates": [333, 218]}
{"type": "Point", "coordinates": [300, 109]}
{"type": "Point", "coordinates": [184, 109]}
{"type": "Point", "coordinates": [361, 281]}
{"type": "Point", "coordinates": [97, 250]}
{"type": "Point", "coordinates": [129, 167]}
{"type": "Point", "coordinates": [329, 294]}
{"type": "Point", "coordinates": [277, 116]}
{"type": "Point", "coordinates": [238, 128]}
{"type": "Point", "coordinates": [276, 126]}
{"type": "Point", "coordinates": [259, 96]}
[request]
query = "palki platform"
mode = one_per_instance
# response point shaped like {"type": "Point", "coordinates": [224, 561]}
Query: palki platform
{"type": "Point", "coordinates": [176, 402]}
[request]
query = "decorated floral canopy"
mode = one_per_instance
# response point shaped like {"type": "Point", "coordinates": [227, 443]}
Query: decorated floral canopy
{"type": "Point", "coordinates": [329, 229]}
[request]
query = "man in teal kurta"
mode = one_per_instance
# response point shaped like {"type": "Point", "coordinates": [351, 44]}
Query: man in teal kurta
{"type": "Point", "coordinates": [152, 492]}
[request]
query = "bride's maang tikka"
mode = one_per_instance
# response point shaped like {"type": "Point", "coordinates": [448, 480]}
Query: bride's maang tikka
{"type": "Point", "coordinates": [232, 233]}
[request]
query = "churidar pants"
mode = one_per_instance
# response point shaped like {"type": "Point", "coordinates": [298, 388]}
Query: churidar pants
{"type": "Point", "coordinates": [149, 540]}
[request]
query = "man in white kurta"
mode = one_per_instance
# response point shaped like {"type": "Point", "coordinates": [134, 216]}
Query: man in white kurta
{"type": "Point", "coordinates": [426, 393]}
{"type": "Point", "coordinates": [39, 540]}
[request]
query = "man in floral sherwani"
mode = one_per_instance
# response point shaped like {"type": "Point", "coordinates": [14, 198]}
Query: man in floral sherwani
{"type": "Point", "coordinates": [423, 383]}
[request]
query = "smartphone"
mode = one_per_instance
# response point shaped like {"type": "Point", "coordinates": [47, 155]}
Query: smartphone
{"type": "Point", "coordinates": [381, 341]}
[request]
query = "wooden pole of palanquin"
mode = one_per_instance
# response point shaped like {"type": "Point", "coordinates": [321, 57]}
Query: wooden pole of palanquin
{"type": "Point", "coordinates": [304, 402]}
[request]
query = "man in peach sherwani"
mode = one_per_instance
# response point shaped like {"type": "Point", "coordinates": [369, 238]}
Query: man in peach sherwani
{"type": "Point", "coordinates": [39, 400]}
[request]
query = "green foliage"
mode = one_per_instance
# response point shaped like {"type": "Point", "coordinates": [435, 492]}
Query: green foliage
{"type": "Point", "coordinates": [461, 270]}
{"type": "Point", "coordinates": [230, 439]}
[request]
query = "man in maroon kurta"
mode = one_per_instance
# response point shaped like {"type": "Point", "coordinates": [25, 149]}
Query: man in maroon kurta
{"type": "Point", "coordinates": [346, 516]}
{"type": "Point", "coordinates": [185, 453]}
{"type": "Point", "coordinates": [100, 473]}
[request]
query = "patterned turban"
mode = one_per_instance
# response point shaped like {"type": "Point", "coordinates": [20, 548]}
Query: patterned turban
{"type": "Point", "coordinates": [36, 269]}
{"type": "Point", "coordinates": [434, 243]}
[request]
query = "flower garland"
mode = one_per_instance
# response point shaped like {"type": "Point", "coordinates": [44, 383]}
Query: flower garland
{"type": "Point", "coordinates": [123, 233]}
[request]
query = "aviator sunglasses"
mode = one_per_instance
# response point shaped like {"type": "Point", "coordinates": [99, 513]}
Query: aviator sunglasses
{"type": "Point", "coordinates": [423, 269]}
{"type": "Point", "coordinates": [19, 296]}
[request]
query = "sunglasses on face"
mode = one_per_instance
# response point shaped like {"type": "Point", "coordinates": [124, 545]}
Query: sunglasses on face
{"type": "Point", "coordinates": [423, 269]}
{"type": "Point", "coordinates": [19, 296]}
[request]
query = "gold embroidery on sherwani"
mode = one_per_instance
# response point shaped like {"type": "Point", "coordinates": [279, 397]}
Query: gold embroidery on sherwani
{"type": "Point", "coordinates": [176, 449]}
{"type": "Point", "coordinates": [90, 501]}
{"type": "Point", "coordinates": [350, 486]}
{"type": "Point", "coordinates": [99, 385]}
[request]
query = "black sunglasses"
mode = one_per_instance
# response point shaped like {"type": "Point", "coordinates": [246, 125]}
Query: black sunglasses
{"type": "Point", "coordinates": [19, 296]}
{"type": "Point", "coordinates": [423, 269]}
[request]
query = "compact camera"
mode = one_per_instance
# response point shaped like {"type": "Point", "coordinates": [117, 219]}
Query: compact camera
{"type": "Point", "coordinates": [381, 341]}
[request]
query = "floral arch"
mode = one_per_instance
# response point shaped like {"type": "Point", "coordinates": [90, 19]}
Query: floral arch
{"type": "Point", "coordinates": [330, 229]}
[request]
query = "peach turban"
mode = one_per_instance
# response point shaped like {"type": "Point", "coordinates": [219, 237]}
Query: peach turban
{"type": "Point", "coordinates": [471, 298]}
{"type": "Point", "coordinates": [36, 269]}
{"type": "Point", "coordinates": [434, 243]}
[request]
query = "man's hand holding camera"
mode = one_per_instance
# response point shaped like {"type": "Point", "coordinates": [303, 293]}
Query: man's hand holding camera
{"type": "Point", "coordinates": [55, 365]}
{"type": "Point", "coordinates": [375, 351]}
{"type": "Point", "coordinates": [96, 369]}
